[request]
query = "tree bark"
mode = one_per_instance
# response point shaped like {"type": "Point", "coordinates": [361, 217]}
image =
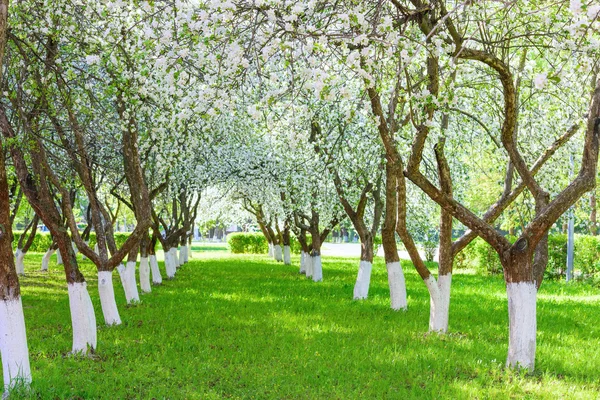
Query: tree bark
{"type": "Point", "coordinates": [13, 338]}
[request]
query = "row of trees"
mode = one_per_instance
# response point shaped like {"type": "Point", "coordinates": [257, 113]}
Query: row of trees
{"type": "Point", "coordinates": [476, 106]}
{"type": "Point", "coordinates": [78, 132]}
{"type": "Point", "coordinates": [401, 116]}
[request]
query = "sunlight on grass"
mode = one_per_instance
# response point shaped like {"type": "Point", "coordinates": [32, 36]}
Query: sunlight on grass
{"type": "Point", "coordinates": [244, 326]}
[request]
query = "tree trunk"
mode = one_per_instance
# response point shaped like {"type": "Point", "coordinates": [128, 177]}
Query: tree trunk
{"type": "Point", "coordinates": [521, 290]}
{"type": "Point", "coordinates": [174, 260]}
{"type": "Point", "coordinates": [107, 298]}
{"type": "Point", "coordinates": [189, 250]}
{"type": "Point", "coordinates": [522, 324]}
{"type": "Point", "coordinates": [396, 281]}
{"type": "Point", "coordinates": [20, 262]}
{"type": "Point", "coordinates": [287, 253]}
{"type": "Point", "coordinates": [145, 275]}
{"type": "Point", "coordinates": [363, 279]}
{"type": "Point", "coordinates": [302, 262]}
{"type": "Point", "coordinates": [154, 270]}
{"type": "Point", "coordinates": [128, 278]}
{"type": "Point", "coordinates": [83, 317]}
{"type": "Point", "coordinates": [13, 338]}
{"type": "Point", "coordinates": [169, 269]}
{"type": "Point", "coordinates": [278, 253]}
{"type": "Point", "coordinates": [316, 268]}
{"type": "Point", "coordinates": [145, 264]}
{"type": "Point", "coordinates": [46, 258]}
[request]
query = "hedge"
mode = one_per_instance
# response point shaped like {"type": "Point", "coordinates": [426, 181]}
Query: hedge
{"type": "Point", "coordinates": [242, 242]}
{"type": "Point", "coordinates": [480, 255]}
{"type": "Point", "coordinates": [255, 243]}
{"type": "Point", "coordinates": [43, 240]}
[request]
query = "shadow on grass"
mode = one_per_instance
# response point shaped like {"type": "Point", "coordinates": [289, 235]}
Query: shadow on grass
{"type": "Point", "coordinates": [248, 327]}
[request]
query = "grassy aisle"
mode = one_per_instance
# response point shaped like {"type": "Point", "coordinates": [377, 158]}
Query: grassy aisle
{"type": "Point", "coordinates": [247, 327]}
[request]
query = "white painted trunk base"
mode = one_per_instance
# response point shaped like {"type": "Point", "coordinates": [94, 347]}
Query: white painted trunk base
{"type": "Point", "coordinates": [155, 271]}
{"type": "Point", "coordinates": [270, 249]}
{"type": "Point", "coordinates": [59, 260]}
{"type": "Point", "coordinates": [174, 260]}
{"type": "Point", "coordinates": [13, 344]}
{"type": "Point", "coordinates": [363, 280]}
{"type": "Point", "coordinates": [189, 252]}
{"type": "Point", "coordinates": [83, 318]}
{"type": "Point", "coordinates": [182, 255]}
{"type": "Point", "coordinates": [309, 265]}
{"type": "Point", "coordinates": [20, 262]}
{"type": "Point", "coordinates": [169, 267]}
{"type": "Point", "coordinates": [145, 275]}
{"type": "Point", "coordinates": [129, 282]}
{"type": "Point", "coordinates": [397, 286]}
{"type": "Point", "coordinates": [107, 298]}
{"type": "Point", "coordinates": [46, 259]}
{"type": "Point", "coordinates": [439, 300]}
{"type": "Point", "coordinates": [317, 268]}
{"type": "Point", "coordinates": [278, 253]}
{"type": "Point", "coordinates": [522, 324]}
{"type": "Point", "coordinates": [303, 257]}
{"type": "Point", "coordinates": [287, 255]}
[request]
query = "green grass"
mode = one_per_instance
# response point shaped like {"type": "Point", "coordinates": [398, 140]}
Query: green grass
{"type": "Point", "coordinates": [247, 327]}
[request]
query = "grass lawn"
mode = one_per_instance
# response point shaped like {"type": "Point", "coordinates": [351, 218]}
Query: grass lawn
{"type": "Point", "coordinates": [247, 327]}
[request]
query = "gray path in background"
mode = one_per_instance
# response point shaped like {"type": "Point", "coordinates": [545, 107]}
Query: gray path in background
{"type": "Point", "coordinates": [353, 250]}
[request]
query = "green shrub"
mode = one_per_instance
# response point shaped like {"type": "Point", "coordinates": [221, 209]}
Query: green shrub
{"type": "Point", "coordinates": [242, 242]}
{"type": "Point", "coordinates": [481, 256]}
{"type": "Point", "coordinates": [587, 254]}
{"type": "Point", "coordinates": [557, 256]}
{"type": "Point", "coordinates": [40, 244]}
{"type": "Point", "coordinates": [43, 240]}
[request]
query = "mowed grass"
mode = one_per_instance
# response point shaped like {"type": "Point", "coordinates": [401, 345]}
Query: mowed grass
{"type": "Point", "coordinates": [245, 326]}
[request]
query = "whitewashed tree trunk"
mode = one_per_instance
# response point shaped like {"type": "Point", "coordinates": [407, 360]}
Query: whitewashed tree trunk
{"type": "Point", "coordinates": [128, 280]}
{"type": "Point", "coordinates": [182, 254]}
{"type": "Point", "coordinates": [83, 318]}
{"type": "Point", "coordinates": [308, 260]}
{"type": "Point", "coordinates": [439, 299]}
{"type": "Point", "coordinates": [58, 258]}
{"type": "Point", "coordinates": [397, 286]}
{"type": "Point", "coordinates": [107, 298]}
{"type": "Point", "coordinates": [522, 324]}
{"type": "Point", "coordinates": [278, 253]}
{"type": "Point", "coordinates": [189, 253]}
{"type": "Point", "coordinates": [270, 249]}
{"type": "Point", "coordinates": [20, 262]}
{"type": "Point", "coordinates": [287, 255]}
{"type": "Point", "coordinates": [46, 259]}
{"type": "Point", "coordinates": [363, 280]}
{"type": "Point", "coordinates": [317, 268]}
{"type": "Point", "coordinates": [303, 257]}
{"type": "Point", "coordinates": [156, 276]}
{"type": "Point", "coordinates": [169, 267]}
{"type": "Point", "coordinates": [13, 344]}
{"type": "Point", "coordinates": [174, 260]}
{"type": "Point", "coordinates": [145, 275]}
